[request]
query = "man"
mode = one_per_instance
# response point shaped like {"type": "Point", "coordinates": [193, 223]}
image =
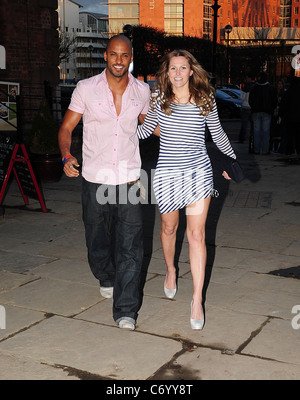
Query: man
{"type": "Point", "coordinates": [246, 117]}
{"type": "Point", "coordinates": [290, 113]}
{"type": "Point", "coordinates": [110, 104]}
{"type": "Point", "coordinates": [262, 100]}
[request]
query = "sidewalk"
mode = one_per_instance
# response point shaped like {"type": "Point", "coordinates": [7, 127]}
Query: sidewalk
{"type": "Point", "coordinates": [58, 327]}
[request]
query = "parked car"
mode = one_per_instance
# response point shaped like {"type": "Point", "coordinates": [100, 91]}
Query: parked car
{"type": "Point", "coordinates": [236, 93]}
{"type": "Point", "coordinates": [228, 106]}
{"type": "Point", "coordinates": [151, 83]}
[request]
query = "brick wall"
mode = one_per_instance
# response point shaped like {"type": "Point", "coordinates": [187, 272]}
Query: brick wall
{"type": "Point", "coordinates": [28, 31]}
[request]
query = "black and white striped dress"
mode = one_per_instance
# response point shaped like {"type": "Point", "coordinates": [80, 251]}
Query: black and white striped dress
{"type": "Point", "coordinates": [183, 173]}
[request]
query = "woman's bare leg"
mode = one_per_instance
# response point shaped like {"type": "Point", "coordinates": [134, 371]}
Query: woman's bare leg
{"type": "Point", "coordinates": [169, 225]}
{"type": "Point", "coordinates": [196, 215]}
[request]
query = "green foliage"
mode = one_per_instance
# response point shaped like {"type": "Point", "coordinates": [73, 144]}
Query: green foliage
{"type": "Point", "coordinates": [44, 133]}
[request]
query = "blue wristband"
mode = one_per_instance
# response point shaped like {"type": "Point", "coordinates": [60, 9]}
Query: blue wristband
{"type": "Point", "coordinates": [64, 160]}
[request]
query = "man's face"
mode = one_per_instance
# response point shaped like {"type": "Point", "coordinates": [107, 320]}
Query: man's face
{"type": "Point", "coordinates": [118, 57]}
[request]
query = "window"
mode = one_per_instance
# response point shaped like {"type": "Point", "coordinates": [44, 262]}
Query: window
{"type": "Point", "coordinates": [123, 11]}
{"type": "Point", "coordinates": [173, 23]}
{"type": "Point", "coordinates": [173, 11]}
{"type": "Point", "coordinates": [174, 26]}
{"type": "Point", "coordinates": [207, 11]}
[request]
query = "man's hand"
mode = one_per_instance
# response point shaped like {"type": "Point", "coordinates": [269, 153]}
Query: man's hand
{"type": "Point", "coordinates": [69, 167]}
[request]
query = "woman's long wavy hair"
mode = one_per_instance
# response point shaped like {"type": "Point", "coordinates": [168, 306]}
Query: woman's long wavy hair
{"type": "Point", "coordinates": [201, 91]}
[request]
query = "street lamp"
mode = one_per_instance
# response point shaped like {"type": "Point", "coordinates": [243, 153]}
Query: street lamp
{"type": "Point", "coordinates": [228, 30]}
{"type": "Point", "coordinates": [215, 8]}
{"type": "Point", "coordinates": [91, 48]}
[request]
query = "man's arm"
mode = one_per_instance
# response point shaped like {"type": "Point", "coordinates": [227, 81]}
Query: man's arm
{"type": "Point", "coordinates": [71, 119]}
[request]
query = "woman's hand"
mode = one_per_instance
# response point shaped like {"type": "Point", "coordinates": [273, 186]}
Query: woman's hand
{"type": "Point", "coordinates": [226, 176]}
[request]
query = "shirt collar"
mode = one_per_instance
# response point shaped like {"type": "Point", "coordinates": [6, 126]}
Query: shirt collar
{"type": "Point", "coordinates": [103, 77]}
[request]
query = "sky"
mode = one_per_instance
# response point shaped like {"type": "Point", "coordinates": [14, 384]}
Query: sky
{"type": "Point", "coordinates": [95, 6]}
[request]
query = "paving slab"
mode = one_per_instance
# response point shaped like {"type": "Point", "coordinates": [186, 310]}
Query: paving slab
{"type": "Point", "coordinates": [206, 364]}
{"type": "Point", "coordinates": [66, 270]}
{"type": "Point", "coordinates": [53, 296]}
{"type": "Point", "coordinates": [18, 319]}
{"type": "Point", "coordinates": [18, 262]}
{"type": "Point", "coordinates": [279, 332]}
{"type": "Point", "coordinates": [25, 369]}
{"type": "Point", "coordinates": [10, 280]}
{"type": "Point", "coordinates": [104, 351]}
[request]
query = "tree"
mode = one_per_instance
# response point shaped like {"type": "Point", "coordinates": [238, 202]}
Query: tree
{"type": "Point", "coordinates": [67, 46]}
{"type": "Point", "coordinates": [148, 48]}
{"type": "Point", "coordinates": [150, 44]}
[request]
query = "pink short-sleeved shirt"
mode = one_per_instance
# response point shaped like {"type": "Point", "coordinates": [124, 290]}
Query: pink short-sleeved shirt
{"type": "Point", "coordinates": [110, 149]}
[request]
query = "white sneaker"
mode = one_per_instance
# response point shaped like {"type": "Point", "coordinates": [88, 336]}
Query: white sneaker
{"type": "Point", "coordinates": [106, 292]}
{"type": "Point", "coordinates": [125, 324]}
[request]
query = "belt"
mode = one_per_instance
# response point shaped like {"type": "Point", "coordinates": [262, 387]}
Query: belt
{"type": "Point", "coordinates": [132, 182]}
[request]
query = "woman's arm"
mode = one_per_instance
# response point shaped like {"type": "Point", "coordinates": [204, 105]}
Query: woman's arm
{"type": "Point", "coordinates": [217, 132]}
{"type": "Point", "coordinates": [149, 125]}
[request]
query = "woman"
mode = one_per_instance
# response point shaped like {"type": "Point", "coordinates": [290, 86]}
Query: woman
{"type": "Point", "coordinates": [181, 105]}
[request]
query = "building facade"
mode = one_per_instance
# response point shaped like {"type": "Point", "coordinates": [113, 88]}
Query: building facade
{"type": "Point", "coordinates": [83, 38]}
{"type": "Point", "coordinates": [30, 49]}
{"type": "Point", "coordinates": [195, 18]}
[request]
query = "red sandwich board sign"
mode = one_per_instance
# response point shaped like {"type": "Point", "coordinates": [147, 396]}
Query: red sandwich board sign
{"type": "Point", "coordinates": [14, 159]}
{"type": "Point", "coordinates": [13, 154]}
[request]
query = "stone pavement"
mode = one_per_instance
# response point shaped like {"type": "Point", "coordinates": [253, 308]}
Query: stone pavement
{"type": "Point", "coordinates": [56, 326]}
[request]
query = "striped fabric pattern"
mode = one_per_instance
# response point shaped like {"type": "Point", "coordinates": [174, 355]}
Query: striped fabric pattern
{"type": "Point", "coordinates": [183, 173]}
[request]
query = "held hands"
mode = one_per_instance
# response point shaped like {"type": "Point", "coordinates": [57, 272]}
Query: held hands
{"type": "Point", "coordinates": [69, 167]}
{"type": "Point", "coordinates": [226, 176]}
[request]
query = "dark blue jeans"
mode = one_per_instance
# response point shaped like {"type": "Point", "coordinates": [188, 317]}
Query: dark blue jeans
{"type": "Point", "coordinates": [114, 239]}
{"type": "Point", "coordinates": [246, 120]}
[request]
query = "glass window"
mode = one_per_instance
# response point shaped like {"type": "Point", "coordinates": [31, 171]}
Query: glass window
{"type": "Point", "coordinates": [116, 25]}
{"type": "Point", "coordinates": [112, 2]}
{"type": "Point", "coordinates": [174, 26]}
{"type": "Point", "coordinates": [173, 11]}
{"type": "Point", "coordinates": [174, 1]}
{"type": "Point", "coordinates": [207, 11]}
{"type": "Point", "coordinates": [124, 11]}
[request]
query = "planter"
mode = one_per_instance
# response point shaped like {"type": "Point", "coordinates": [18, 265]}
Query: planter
{"type": "Point", "coordinates": [47, 167]}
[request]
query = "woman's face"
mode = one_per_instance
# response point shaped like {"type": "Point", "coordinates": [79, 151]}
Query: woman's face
{"type": "Point", "coordinates": [179, 72]}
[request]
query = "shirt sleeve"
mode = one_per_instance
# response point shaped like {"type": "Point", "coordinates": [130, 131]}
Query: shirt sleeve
{"type": "Point", "coordinates": [77, 103]}
{"type": "Point", "coordinates": [147, 97]}
{"type": "Point", "coordinates": [146, 129]}
{"type": "Point", "coordinates": [217, 132]}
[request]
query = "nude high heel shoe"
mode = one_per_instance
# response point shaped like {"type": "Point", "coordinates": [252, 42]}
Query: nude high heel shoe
{"type": "Point", "coordinates": [196, 324]}
{"type": "Point", "coordinates": [169, 293]}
